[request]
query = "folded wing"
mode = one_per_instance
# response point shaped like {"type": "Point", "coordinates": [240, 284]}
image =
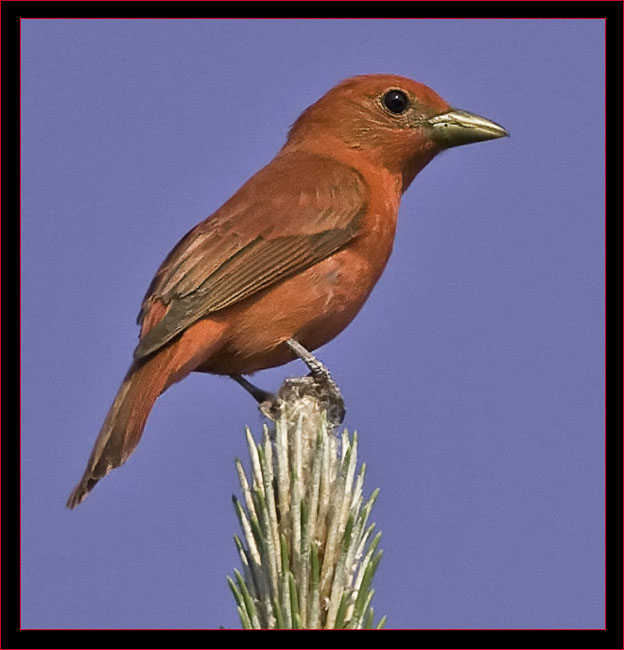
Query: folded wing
{"type": "Point", "coordinates": [292, 214]}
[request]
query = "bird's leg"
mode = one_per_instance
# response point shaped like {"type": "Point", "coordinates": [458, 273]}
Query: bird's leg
{"type": "Point", "coordinates": [318, 370]}
{"type": "Point", "coordinates": [330, 393]}
{"type": "Point", "coordinates": [257, 393]}
{"type": "Point", "coordinates": [318, 383]}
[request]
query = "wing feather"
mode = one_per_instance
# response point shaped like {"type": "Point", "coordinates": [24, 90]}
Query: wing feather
{"type": "Point", "coordinates": [291, 215]}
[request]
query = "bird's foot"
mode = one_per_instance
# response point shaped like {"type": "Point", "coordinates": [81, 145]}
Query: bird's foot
{"type": "Point", "coordinates": [318, 370]}
{"type": "Point", "coordinates": [257, 393]}
{"type": "Point", "coordinates": [303, 395]}
{"type": "Point", "coordinates": [318, 386]}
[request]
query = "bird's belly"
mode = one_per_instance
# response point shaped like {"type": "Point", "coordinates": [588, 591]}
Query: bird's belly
{"type": "Point", "coordinates": [312, 306]}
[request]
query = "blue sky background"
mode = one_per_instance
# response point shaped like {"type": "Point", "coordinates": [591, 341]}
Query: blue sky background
{"type": "Point", "coordinates": [474, 374]}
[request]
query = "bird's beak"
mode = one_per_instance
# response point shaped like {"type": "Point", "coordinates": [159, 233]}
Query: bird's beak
{"type": "Point", "coordinates": [457, 127]}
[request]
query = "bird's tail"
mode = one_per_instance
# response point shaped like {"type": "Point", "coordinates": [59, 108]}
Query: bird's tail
{"type": "Point", "coordinates": [145, 381]}
{"type": "Point", "coordinates": [124, 423]}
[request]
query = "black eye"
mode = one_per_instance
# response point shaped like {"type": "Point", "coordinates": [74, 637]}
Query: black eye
{"type": "Point", "coordinates": [396, 101]}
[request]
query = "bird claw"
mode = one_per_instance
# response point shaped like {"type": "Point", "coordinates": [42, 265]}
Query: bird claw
{"type": "Point", "coordinates": [296, 390]}
{"type": "Point", "coordinates": [318, 385]}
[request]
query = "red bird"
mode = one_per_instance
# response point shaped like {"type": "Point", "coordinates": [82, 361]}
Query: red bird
{"type": "Point", "coordinates": [292, 256]}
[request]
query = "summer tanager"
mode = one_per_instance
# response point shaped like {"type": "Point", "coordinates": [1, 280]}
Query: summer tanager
{"type": "Point", "coordinates": [293, 254]}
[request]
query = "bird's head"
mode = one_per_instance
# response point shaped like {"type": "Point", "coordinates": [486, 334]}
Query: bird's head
{"type": "Point", "coordinates": [396, 122]}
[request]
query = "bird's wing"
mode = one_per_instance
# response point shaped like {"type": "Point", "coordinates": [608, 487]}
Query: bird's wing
{"type": "Point", "coordinates": [295, 212]}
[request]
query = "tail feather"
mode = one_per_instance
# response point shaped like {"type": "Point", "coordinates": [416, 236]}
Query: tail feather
{"type": "Point", "coordinates": [145, 381]}
{"type": "Point", "coordinates": [124, 423]}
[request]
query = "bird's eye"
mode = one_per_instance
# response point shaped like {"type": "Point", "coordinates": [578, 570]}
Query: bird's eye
{"type": "Point", "coordinates": [396, 101]}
